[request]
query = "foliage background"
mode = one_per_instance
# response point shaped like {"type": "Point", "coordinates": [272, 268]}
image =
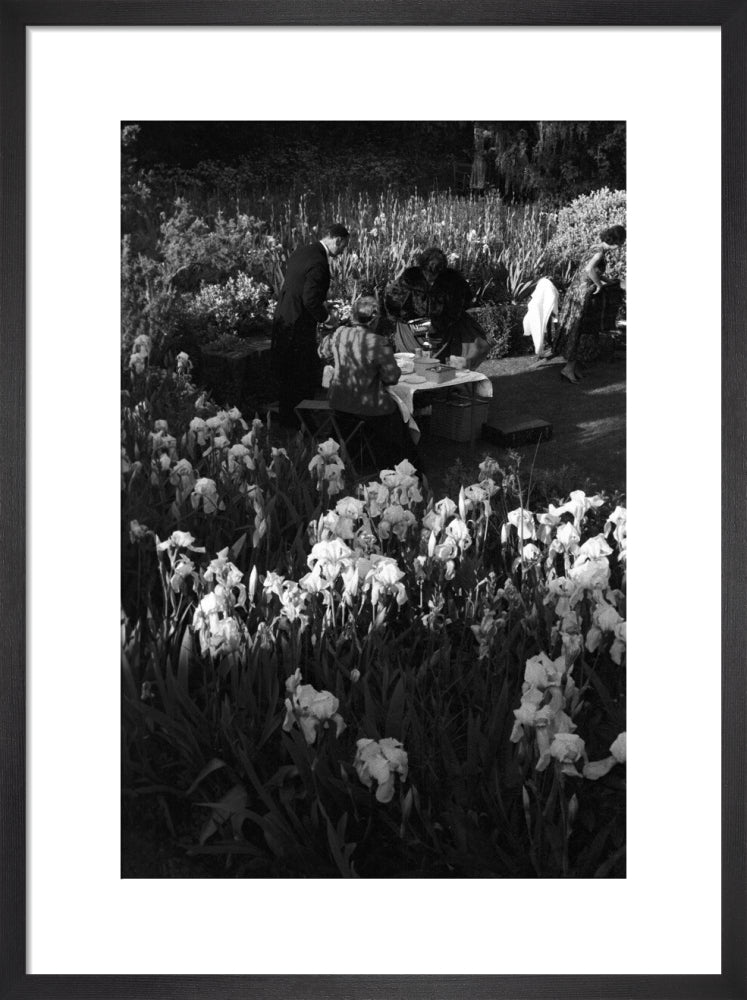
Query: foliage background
{"type": "Point", "coordinates": [229, 165]}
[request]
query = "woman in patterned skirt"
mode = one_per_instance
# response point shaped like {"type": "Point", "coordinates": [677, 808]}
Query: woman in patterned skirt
{"type": "Point", "coordinates": [587, 282]}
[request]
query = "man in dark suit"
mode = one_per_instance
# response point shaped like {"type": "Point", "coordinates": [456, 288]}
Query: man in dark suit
{"type": "Point", "coordinates": [295, 360]}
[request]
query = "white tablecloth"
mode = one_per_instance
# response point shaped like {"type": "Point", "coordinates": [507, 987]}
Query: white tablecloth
{"type": "Point", "coordinates": [404, 394]}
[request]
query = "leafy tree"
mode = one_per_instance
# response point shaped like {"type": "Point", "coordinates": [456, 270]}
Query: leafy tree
{"type": "Point", "coordinates": [230, 165]}
{"type": "Point", "coordinates": [556, 160]}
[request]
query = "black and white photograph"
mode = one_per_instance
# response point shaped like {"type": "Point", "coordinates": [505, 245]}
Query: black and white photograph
{"type": "Point", "coordinates": [321, 408]}
{"type": "Point", "coordinates": [373, 499]}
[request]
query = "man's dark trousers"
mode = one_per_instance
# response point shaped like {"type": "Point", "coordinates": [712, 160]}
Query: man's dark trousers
{"type": "Point", "coordinates": [295, 361]}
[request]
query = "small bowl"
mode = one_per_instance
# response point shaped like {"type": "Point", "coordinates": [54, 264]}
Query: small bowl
{"type": "Point", "coordinates": [421, 363]}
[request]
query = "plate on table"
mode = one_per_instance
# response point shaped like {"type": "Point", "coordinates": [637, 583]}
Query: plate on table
{"type": "Point", "coordinates": [413, 379]}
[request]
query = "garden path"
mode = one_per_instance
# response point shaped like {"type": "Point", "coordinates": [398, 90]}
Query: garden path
{"type": "Point", "coordinates": [587, 446]}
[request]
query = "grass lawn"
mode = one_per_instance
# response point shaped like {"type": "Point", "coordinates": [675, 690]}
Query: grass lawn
{"type": "Point", "coordinates": [588, 425]}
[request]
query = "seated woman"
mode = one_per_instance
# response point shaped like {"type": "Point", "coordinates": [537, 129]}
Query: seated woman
{"type": "Point", "coordinates": [433, 291]}
{"type": "Point", "coordinates": [364, 365]}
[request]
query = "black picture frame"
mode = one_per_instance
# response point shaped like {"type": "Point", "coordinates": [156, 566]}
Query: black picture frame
{"type": "Point", "coordinates": [15, 17]}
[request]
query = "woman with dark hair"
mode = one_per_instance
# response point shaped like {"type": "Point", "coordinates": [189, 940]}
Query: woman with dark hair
{"type": "Point", "coordinates": [579, 301]}
{"type": "Point", "coordinates": [364, 365]}
{"type": "Point", "coordinates": [435, 292]}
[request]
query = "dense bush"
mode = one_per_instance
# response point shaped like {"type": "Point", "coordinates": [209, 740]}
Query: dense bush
{"type": "Point", "coordinates": [220, 245]}
{"type": "Point", "coordinates": [202, 280]}
{"type": "Point", "coordinates": [577, 229]}
{"type": "Point", "coordinates": [503, 324]}
{"type": "Point", "coordinates": [557, 159]}
{"type": "Point", "coordinates": [147, 299]}
{"type": "Point", "coordinates": [238, 306]}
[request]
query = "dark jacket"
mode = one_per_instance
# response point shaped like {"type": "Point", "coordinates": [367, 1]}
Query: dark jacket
{"type": "Point", "coordinates": [301, 306]}
{"type": "Point", "coordinates": [443, 303]}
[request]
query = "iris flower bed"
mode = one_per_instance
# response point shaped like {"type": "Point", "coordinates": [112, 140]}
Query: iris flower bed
{"type": "Point", "coordinates": [327, 679]}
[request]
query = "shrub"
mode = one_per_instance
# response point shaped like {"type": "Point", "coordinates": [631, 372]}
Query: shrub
{"type": "Point", "coordinates": [238, 306]}
{"type": "Point", "coordinates": [503, 324]}
{"type": "Point", "coordinates": [220, 246]}
{"type": "Point", "coordinates": [147, 300]}
{"type": "Point", "coordinates": [577, 230]}
{"type": "Point", "coordinates": [203, 280]}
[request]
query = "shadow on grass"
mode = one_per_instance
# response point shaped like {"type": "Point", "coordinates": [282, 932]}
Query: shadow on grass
{"type": "Point", "coordinates": [588, 443]}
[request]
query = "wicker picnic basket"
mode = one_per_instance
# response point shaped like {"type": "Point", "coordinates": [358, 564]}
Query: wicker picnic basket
{"type": "Point", "coordinates": [457, 417]}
